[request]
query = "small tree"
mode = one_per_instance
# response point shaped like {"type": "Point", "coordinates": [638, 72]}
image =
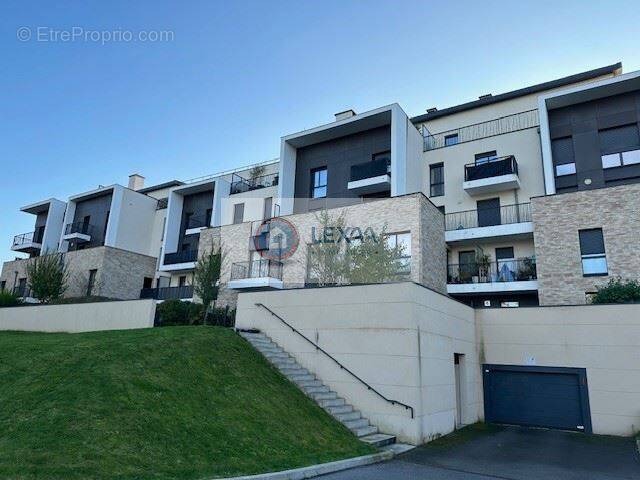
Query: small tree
{"type": "Point", "coordinates": [206, 278]}
{"type": "Point", "coordinates": [373, 260]}
{"type": "Point", "coordinates": [256, 172]}
{"type": "Point", "coordinates": [618, 291]}
{"type": "Point", "coordinates": [48, 276]}
{"type": "Point", "coordinates": [326, 262]}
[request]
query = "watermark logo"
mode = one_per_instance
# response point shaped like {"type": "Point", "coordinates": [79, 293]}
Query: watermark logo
{"type": "Point", "coordinates": [276, 239]}
{"type": "Point", "coordinates": [78, 34]}
{"type": "Point", "coordinates": [342, 234]}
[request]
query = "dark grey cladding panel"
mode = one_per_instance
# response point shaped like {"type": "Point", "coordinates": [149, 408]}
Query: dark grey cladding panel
{"type": "Point", "coordinates": [585, 124]}
{"type": "Point", "coordinates": [41, 219]}
{"type": "Point", "coordinates": [338, 156]}
{"type": "Point", "coordinates": [97, 208]}
{"type": "Point", "coordinates": [196, 204]}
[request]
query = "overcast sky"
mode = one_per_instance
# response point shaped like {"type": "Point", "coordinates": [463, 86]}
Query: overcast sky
{"type": "Point", "coordinates": [93, 91]}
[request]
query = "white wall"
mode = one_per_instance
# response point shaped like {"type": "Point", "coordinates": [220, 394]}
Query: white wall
{"type": "Point", "coordinates": [79, 317]}
{"type": "Point", "coordinates": [132, 228]}
{"type": "Point", "coordinates": [54, 225]}
{"type": "Point", "coordinates": [253, 204]}
{"type": "Point", "coordinates": [400, 338]}
{"type": "Point", "coordinates": [603, 339]}
{"type": "Point", "coordinates": [172, 225]}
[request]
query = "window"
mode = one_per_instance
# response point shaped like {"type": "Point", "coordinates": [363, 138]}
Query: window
{"type": "Point", "coordinates": [565, 169]}
{"type": "Point", "coordinates": [238, 213]}
{"type": "Point", "coordinates": [147, 282]}
{"type": "Point", "coordinates": [613, 160]}
{"type": "Point", "coordinates": [207, 217]}
{"type": "Point", "coordinates": [594, 260]}
{"type": "Point", "coordinates": [485, 157]}
{"type": "Point", "coordinates": [505, 262]}
{"type": "Point", "coordinates": [187, 220]}
{"type": "Point", "coordinates": [92, 281]}
{"type": "Point", "coordinates": [268, 208]}
{"type": "Point", "coordinates": [319, 182]}
{"type": "Point", "coordinates": [403, 241]}
{"type": "Point", "coordinates": [450, 139]}
{"type": "Point", "coordinates": [182, 281]}
{"type": "Point", "coordinates": [437, 179]}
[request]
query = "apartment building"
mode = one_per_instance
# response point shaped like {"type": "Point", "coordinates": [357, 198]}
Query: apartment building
{"type": "Point", "coordinates": [513, 199]}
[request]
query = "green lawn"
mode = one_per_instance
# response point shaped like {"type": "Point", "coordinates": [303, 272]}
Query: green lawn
{"type": "Point", "coordinates": [164, 403]}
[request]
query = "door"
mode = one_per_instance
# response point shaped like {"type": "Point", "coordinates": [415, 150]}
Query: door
{"type": "Point", "coordinates": [552, 397]}
{"type": "Point", "coordinates": [467, 266]}
{"type": "Point", "coordinates": [488, 212]}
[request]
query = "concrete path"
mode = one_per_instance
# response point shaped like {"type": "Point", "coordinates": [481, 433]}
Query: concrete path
{"type": "Point", "coordinates": [510, 453]}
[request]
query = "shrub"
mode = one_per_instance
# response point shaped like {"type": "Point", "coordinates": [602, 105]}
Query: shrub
{"type": "Point", "coordinates": [48, 276]}
{"type": "Point", "coordinates": [9, 299]}
{"type": "Point", "coordinates": [177, 312]}
{"type": "Point", "coordinates": [618, 291]}
{"type": "Point", "coordinates": [70, 300]}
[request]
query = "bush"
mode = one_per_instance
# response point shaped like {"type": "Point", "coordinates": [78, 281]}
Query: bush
{"type": "Point", "coordinates": [618, 291]}
{"type": "Point", "coordinates": [71, 300]}
{"type": "Point", "coordinates": [177, 312]}
{"type": "Point", "coordinates": [9, 299]}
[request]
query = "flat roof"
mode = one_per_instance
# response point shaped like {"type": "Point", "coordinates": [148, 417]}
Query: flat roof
{"type": "Point", "coordinates": [541, 87]}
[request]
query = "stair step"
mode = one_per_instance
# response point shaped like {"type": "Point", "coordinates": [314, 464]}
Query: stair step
{"type": "Point", "coordinates": [275, 356]}
{"type": "Point", "coordinates": [264, 349]}
{"type": "Point", "coordinates": [324, 396]}
{"type": "Point", "coordinates": [316, 389]}
{"type": "Point", "coordinates": [334, 402]}
{"type": "Point", "coordinates": [339, 409]}
{"type": "Point", "coordinates": [356, 424]}
{"type": "Point", "coordinates": [364, 431]}
{"type": "Point", "coordinates": [379, 439]}
{"type": "Point", "coordinates": [309, 383]}
{"type": "Point", "coordinates": [253, 335]}
{"type": "Point", "coordinates": [346, 416]}
{"type": "Point", "coordinates": [301, 377]}
{"type": "Point", "coordinates": [293, 369]}
{"type": "Point", "coordinates": [282, 362]}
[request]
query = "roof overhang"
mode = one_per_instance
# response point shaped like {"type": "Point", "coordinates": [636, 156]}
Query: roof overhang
{"type": "Point", "coordinates": [196, 187]}
{"type": "Point", "coordinates": [39, 207]}
{"type": "Point", "coordinates": [379, 117]}
{"type": "Point", "coordinates": [98, 192]}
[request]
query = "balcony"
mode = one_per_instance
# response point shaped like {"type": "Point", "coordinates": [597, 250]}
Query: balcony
{"type": "Point", "coordinates": [507, 222]}
{"type": "Point", "coordinates": [477, 131]}
{"type": "Point", "coordinates": [494, 175]}
{"type": "Point", "coordinates": [79, 232]}
{"type": "Point", "coordinates": [256, 275]}
{"type": "Point", "coordinates": [517, 275]}
{"type": "Point", "coordinates": [168, 293]}
{"type": "Point", "coordinates": [371, 177]}
{"type": "Point", "coordinates": [179, 259]}
{"type": "Point", "coordinates": [196, 224]}
{"type": "Point", "coordinates": [242, 185]}
{"type": "Point", "coordinates": [28, 242]}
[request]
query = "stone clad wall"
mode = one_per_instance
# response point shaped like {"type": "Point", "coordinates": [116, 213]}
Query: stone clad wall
{"type": "Point", "coordinates": [410, 213]}
{"type": "Point", "coordinates": [557, 219]}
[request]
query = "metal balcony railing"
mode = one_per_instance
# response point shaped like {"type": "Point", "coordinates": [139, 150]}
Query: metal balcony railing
{"type": "Point", "coordinates": [492, 168]}
{"type": "Point", "coordinates": [491, 128]}
{"type": "Point", "coordinates": [200, 221]}
{"type": "Point", "coordinates": [240, 184]}
{"type": "Point", "coordinates": [186, 256]}
{"type": "Point", "coordinates": [256, 269]}
{"type": "Point", "coordinates": [374, 168]}
{"type": "Point", "coordinates": [516, 270]}
{"type": "Point", "coordinates": [167, 293]}
{"type": "Point", "coordinates": [485, 217]}
{"type": "Point", "coordinates": [79, 227]}
{"type": "Point", "coordinates": [27, 238]}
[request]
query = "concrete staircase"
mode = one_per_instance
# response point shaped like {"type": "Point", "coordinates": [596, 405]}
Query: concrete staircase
{"type": "Point", "coordinates": [314, 388]}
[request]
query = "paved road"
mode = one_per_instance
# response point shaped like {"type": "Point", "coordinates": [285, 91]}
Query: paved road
{"type": "Point", "coordinates": [510, 453]}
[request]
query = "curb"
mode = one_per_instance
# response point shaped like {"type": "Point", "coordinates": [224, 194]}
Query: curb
{"type": "Point", "coordinates": [316, 470]}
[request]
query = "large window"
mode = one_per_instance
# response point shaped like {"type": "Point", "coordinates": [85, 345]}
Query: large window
{"type": "Point", "coordinates": [563, 156]}
{"type": "Point", "coordinates": [594, 259]}
{"type": "Point", "coordinates": [238, 213]}
{"type": "Point", "coordinates": [403, 241]}
{"type": "Point", "coordinates": [437, 179]}
{"type": "Point", "coordinates": [485, 157]}
{"type": "Point", "coordinates": [319, 182]}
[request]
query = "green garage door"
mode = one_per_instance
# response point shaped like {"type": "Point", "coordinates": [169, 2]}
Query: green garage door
{"type": "Point", "coordinates": [553, 397]}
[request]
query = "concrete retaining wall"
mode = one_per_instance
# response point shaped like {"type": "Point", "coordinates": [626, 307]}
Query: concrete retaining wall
{"type": "Point", "coordinates": [79, 317]}
{"type": "Point", "coordinates": [604, 339]}
{"type": "Point", "coordinates": [400, 338]}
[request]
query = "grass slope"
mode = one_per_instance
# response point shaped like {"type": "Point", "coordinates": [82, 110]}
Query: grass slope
{"type": "Point", "coordinates": [179, 403]}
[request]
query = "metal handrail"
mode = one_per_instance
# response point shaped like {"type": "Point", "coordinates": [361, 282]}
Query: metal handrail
{"type": "Point", "coordinates": [29, 237]}
{"type": "Point", "coordinates": [79, 227]}
{"type": "Point", "coordinates": [240, 184]}
{"type": "Point", "coordinates": [491, 168]}
{"type": "Point", "coordinates": [373, 168]}
{"type": "Point", "coordinates": [318, 347]}
{"type": "Point", "coordinates": [508, 214]}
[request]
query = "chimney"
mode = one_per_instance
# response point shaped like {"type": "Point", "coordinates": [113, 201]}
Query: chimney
{"type": "Point", "coordinates": [482, 97]}
{"type": "Point", "coordinates": [344, 115]}
{"type": "Point", "coordinates": [432, 109]}
{"type": "Point", "coordinates": [136, 181]}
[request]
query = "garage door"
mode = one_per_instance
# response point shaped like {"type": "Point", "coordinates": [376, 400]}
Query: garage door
{"type": "Point", "coordinates": [551, 397]}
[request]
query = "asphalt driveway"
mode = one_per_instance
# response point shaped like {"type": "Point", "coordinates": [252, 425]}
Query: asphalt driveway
{"type": "Point", "coordinates": [510, 453]}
